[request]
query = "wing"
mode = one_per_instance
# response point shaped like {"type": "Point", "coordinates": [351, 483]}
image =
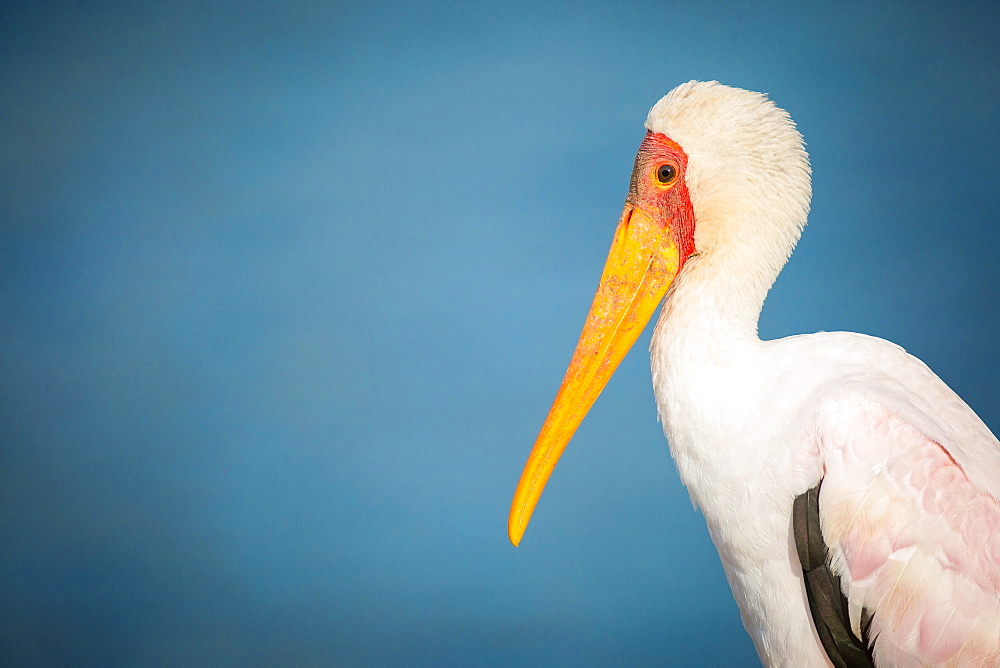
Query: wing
{"type": "Point", "coordinates": [827, 604]}
{"type": "Point", "coordinates": [914, 541]}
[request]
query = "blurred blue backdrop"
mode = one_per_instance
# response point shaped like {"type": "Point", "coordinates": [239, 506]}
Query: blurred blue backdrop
{"type": "Point", "coordinates": [286, 290]}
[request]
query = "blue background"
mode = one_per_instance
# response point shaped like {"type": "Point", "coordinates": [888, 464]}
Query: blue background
{"type": "Point", "coordinates": [286, 290]}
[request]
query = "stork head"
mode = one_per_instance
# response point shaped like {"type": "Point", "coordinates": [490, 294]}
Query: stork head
{"type": "Point", "coordinates": [747, 174]}
{"type": "Point", "coordinates": [720, 169]}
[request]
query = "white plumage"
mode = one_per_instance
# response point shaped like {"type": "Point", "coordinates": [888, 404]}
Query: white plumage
{"type": "Point", "coordinates": [752, 424]}
{"type": "Point", "coordinates": [910, 498]}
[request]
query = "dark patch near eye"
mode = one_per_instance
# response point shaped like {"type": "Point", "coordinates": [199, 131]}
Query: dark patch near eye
{"type": "Point", "coordinates": [638, 172]}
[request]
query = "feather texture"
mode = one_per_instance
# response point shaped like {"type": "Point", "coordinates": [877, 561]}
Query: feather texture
{"type": "Point", "coordinates": [911, 536]}
{"type": "Point", "coordinates": [827, 603]}
{"type": "Point", "coordinates": [911, 476]}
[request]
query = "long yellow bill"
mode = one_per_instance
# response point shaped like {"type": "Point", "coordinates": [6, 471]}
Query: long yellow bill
{"type": "Point", "coordinates": [641, 265]}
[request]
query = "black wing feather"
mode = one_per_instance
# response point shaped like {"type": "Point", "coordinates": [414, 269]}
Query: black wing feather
{"type": "Point", "coordinates": [826, 598]}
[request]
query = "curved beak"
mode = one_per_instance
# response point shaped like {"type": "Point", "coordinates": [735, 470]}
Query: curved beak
{"type": "Point", "coordinates": [641, 266]}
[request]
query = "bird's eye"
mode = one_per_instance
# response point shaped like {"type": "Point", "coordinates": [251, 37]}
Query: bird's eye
{"type": "Point", "coordinates": [666, 174]}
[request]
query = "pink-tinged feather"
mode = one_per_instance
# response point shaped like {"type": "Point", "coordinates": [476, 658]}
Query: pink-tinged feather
{"type": "Point", "coordinates": [754, 424]}
{"type": "Point", "coordinates": [868, 558]}
{"type": "Point", "coordinates": [913, 538]}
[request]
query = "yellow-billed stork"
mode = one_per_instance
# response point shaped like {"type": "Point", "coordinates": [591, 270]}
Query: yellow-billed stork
{"type": "Point", "coordinates": [853, 497]}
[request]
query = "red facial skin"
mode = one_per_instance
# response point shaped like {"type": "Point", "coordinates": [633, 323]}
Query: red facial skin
{"type": "Point", "coordinates": [669, 203]}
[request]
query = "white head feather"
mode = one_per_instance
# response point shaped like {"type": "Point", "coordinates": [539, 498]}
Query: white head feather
{"type": "Point", "coordinates": [748, 173]}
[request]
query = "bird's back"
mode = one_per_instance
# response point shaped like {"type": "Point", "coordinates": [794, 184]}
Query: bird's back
{"type": "Point", "coordinates": [857, 413]}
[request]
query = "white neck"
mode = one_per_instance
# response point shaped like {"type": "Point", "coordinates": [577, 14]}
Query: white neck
{"type": "Point", "coordinates": [748, 178]}
{"type": "Point", "coordinates": [718, 296]}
